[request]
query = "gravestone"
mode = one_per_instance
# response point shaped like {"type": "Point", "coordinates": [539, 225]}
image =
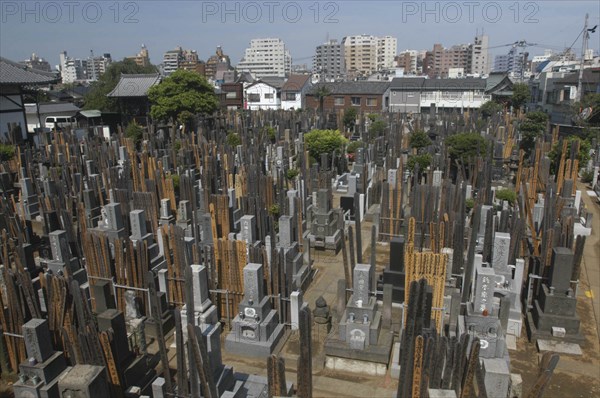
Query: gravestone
{"type": "Point", "coordinates": [255, 330]}
{"type": "Point", "coordinates": [556, 305]}
{"type": "Point", "coordinates": [361, 339]}
{"type": "Point", "coordinates": [324, 222]}
{"type": "Point", "coordinates": [394, 273]}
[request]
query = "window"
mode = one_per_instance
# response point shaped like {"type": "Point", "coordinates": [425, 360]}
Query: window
{"type": "Point", "coordinates": [253, 97]}
{"type": "Point", "coordinates": [269, 96]}
{"type": "Point", "coordinates": [290, 96]}
{"type": "Point", "coordinates": [355, 101]}
{"type": "Point", "coordinates": [371, 101]}
{"type": "Point", "coordinates": [231, 95]}
{"type": "Point", "coordinates": [339, 101]}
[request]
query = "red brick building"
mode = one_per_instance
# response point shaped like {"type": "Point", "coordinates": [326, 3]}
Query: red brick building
{"type": "Point", "coordinates": [365, 96]}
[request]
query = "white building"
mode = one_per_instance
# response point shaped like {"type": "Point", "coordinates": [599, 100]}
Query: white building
{"type": "Point", "coordinates": [266, 58]}
{"type": "Point", "coordinates": [387, 48]}
{"type": "Point", "coordinates": [82, 70]}
{"type": "Point", "coordinates": [264, 94]}
{"type": "Point", "coordinates": [67, 68]}
{"type": "Point", "coordinates": [480, 57]}
{"type": "Point", "coordinates": [293, 92]}
{"type": "Point", "coordinates": [171, 61]}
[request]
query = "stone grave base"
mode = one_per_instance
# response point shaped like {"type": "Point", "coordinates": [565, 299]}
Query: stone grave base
{"type": "Point", "coordinates": [560, 347]}
{"type": "Point", "coordinates": [514, 327]}
{"type": "Point", "coordinates": [534, 334]}
{"type": "Point", "coordinates": [378, 353]}
{"type": "Point", "coordinates": [437, 393]}
{"type": "Point", "coordinates": [305, 278]}
{"type": "Point", "coordinates": [256, 386]}
{"type": "Point", "coordinates": [395, 366]}
{"type": "Point", "coordinates": [256, 349]}
{"type": "Point", "coordinates": [355, 366]}
{"type": "Point", "coordinates": [46, 371]}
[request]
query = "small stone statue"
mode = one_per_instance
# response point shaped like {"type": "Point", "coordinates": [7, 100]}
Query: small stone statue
{"type": "Point", "coordinates": [321, 313]}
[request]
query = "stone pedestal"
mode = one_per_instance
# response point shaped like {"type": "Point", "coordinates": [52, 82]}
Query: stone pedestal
{"type": "Point", "coordinates": [84, 381]}
{"type": "Point", "coordinates": [255, 329]}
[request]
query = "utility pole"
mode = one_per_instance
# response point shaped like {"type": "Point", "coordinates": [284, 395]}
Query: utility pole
{"type": "Point", "coordinates": [586, 36]}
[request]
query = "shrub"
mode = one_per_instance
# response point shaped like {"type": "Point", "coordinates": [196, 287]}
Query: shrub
{"type": "Point", "coordinates": [7, 152]}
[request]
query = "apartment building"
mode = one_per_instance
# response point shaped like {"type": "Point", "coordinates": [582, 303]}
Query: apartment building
{"type": "Point", "coordinates": [142, 58]}
{"type": "Point", "coordinates": [329, 62]}
{"type": "Point", "coordinates": [267, 57]}
{"type": "Point", "coordinates": [480, 57]}
{"type": "Point", "coordinates": [387, 48]}
{"type": "Point", "coordinates": [37, 63]}
{"type": "Point", "coordinates": [473, 58]}
{"type": "Point", "coordinates": [360, 53]}
{"type": "Point", "coordinates": [217, 61]}
{"type": "Point", "coordinates": [82, 70]}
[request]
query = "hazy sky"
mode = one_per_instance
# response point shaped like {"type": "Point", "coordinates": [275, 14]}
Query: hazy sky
{"type": "Point", "coordinates": [120, 27]}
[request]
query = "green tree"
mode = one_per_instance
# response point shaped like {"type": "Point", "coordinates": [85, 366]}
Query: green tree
{"type": "Point", "coordinates": [350, 118]}
{"type": "Point", "coordinates": [533, 126]}
{"type": "Point", "coordinates": [7, 152]}
{"type": "Point", "coordinates": [181, 96]}
{"type": "Point", "coordinates": [291, 174]}
{"type": "Point", "coordinates": [490, 108]}
{"type": "Point", "coordinates": [506, 194]}
{"type": "Point", "coordinates": [233, 139]}
{"type": "Point", "coordinates": [419, 139]}
{"type": "Point", "coordinates": [135, 132]}
{"type": "Point", "coordinates": [323, 141]}
{"type": "Point", "coordinates": [465, 147]}
{"type": "Point", "coordinates": [422, 160]}
{"type": "Point", "coordinates": [377, 128]}
{"type": "Point", "coordinates": [96, 98]}
{"type": "Point", "coordinates": [520, 95]}
{"type": "Point", "coordinates": [556, 153]}
{"type": "Point", "coordinates": [353, 146]}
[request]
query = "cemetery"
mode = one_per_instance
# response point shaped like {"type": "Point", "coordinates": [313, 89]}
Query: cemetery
{"type": "Point", "coordinates": [186, 263]}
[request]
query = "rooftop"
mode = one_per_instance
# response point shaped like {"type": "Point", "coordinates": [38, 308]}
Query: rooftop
{"type": "Point", "coordinates": [134, 85]}
{"type": "Point", "coordinates": [295, 82]}
{"type": "Point", "coordinates": [15, 73]}
{"type": "Point", "coordinates": [52, 107]}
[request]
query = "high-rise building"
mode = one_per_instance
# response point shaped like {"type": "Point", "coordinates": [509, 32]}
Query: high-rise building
{"type": "Point", "coordinates": [182, 59]}
{"type": "Point", "coordinates": [37, 63]}
{"type": "Point", "coordinates": [365, 54]}
{"type": "Point", "coordinates": [472, 58]}
{"type": "Point", "coordinates": [171, 61]}
{"type": "Point", "coordinates": [480, 57]}
{"type": "Point", "coordinates": [191, 62]}
{"type": "Point", "coordinates": [218, 61]}
{"type": "Point", "coordinates": [69, 72]}
{"type": "Point", "coordinates": [329, 61]}
{"type": "Point", "coordinates": [82, 70]}
{"type": "Point", "coordinates": [360, 53]}
{"type": "Point", "coordinates": [409, 61]}
{"type": "Point", "coordinates": [266, 58]}
{"type": "Point", "coordinates": [96, 66]}
{"type": "Point", "coordinates": [387, 48]}
{"type": "Point", "coordinates": [142, 58]}
{"type": "Point", "coordinates": [513, 63]}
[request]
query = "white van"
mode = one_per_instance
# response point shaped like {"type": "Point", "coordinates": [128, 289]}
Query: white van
{"type": "Point", "coordinates": [59, 122]}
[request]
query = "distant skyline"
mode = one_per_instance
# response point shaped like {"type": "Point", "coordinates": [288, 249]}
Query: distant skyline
{"type": "Point", "coordinates": [121, 27]}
